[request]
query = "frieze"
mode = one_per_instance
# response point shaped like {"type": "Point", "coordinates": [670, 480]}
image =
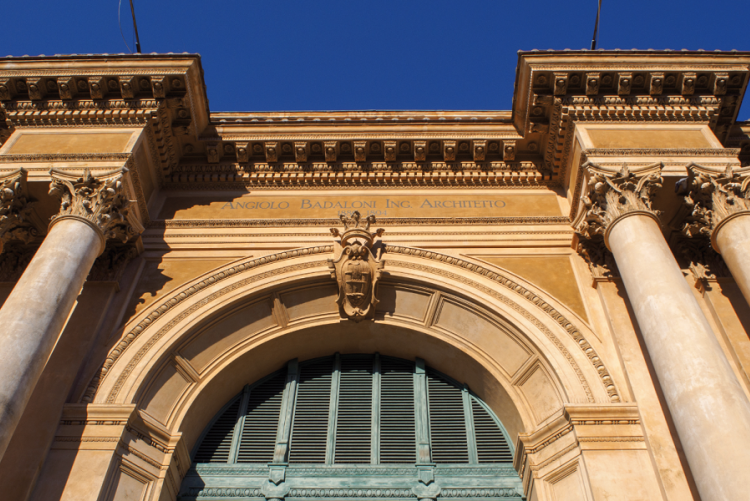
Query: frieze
{"type": "Point", "coordinates": [659, 152]}
{"type": "Point", "coordinates": [406, 221]}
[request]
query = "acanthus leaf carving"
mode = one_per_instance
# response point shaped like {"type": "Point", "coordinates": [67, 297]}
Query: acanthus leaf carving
{"type": "Point", "coordinates": [357, 269]}
{"type": "Point", "coordinates": [99, 200]}
{"type": "Point", "coordinates": [16, 209]}
{"type": "Point", "coordinates": [710, 197]}
{"type": "Point", "coordinates": [610, 195]}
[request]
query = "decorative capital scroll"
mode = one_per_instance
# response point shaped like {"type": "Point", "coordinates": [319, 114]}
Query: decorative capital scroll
{"type": "Point", "coordinates": [611, 195]}
{"type": "Point", "coordinates": [100, 201]}
{"type": "Point", "coordinates": [16, 209]}
{"type": "Point", "coordinates": [357, 270]}
{"type": "Point", "coordinates": [711, 197]}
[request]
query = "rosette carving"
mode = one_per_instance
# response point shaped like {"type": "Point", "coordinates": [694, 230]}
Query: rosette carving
{"type": "Point", "coordinates": [611, 195]}
{"type": "Point", "coordinates": [16, 209]}
{"type": "Point", "coordinates": [710, 197]}
{"type": "Point", "coordinates": [99, 200]}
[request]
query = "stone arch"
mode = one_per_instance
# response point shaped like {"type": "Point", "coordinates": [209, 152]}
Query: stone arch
{"type": "Point", "coordinates": [519, 349]}
{"type": "Point", "coordinates": [515, 347]}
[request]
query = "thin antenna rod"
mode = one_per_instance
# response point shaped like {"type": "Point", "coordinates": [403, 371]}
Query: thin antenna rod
{"type": "Point", "coordinates": [593, 40]}
{"type": "Point", "coordinates": [138, 41]}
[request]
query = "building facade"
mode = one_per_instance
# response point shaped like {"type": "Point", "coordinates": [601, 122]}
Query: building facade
{"type": "Point", "coordinates": [547, 303]}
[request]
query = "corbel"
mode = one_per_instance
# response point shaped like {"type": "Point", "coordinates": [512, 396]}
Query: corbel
{"type": "Point", "coordinates": [688, 84]}
{"type": "Point", "coordinates": [720, 83]}
{"type": "Point", "coordinates": [272, 151]}
{"type": "Point", "coordinates": [159, 86]}
{"type": "Point", "coordinates": [301, 151]}
{"type": "Point", "coordinates": [390, 150]}
{"type": "Point", "coordinates": [592, 83]}
{"type": "Point", "coordinates": [420, 151]}
{"type": "Point", "coordinates": [657, 84]}
{"type": "Point", "coordinates": [36, 88]}
{"type": "Point", "coordinates": [449, 151]}
{"type": "Point", "coordinates": [479, 149]}
{"type": "Point", "coordinates": [67, 87]}
{"type": "Point", "coordinates": [624, 83]}
{"type": "Point", "coordinates": [331, 150]}
{"type": "Point", "coordinates": [509, 150]}
{"type": "Point", "coordinates": [127, 87]}
{"type": "Point", "coordinates": [7, 90]}
{"type": "Point", "coordinates": [213, 152]}
{"type": "Point", "coordinates": [360, 151]}
{"type": "Point", "coordinates": [561, 84]}
{"type": "Point", "coordinates": [97, 87]}
{"type": "Point", "coordinates": [243, 152]}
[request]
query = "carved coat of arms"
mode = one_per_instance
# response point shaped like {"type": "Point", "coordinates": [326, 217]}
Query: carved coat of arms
{"type": "Point", "coordinates": [357, 269]}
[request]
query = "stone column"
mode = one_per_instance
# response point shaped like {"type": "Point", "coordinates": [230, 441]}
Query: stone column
{"type": "Point", "coordinates": [710, 411]}
{"type": "Point", "coordinates": [93, 210]}
{"type": "Point", "coordinates": [719, 208]}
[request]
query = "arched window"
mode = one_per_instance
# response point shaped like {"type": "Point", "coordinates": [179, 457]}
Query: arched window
{"type": "Point", "coordinates": [392, 428]}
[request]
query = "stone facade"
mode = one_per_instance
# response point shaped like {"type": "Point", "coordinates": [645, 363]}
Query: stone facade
{"type": "Point", "coordinates": [581, 262]}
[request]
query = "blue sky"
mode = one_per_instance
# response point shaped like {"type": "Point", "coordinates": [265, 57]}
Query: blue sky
{"type": "Point", "coordinates": [365, 54]}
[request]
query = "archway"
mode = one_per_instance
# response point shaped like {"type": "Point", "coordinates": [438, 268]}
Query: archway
{"type": "Point", "coordinates": [521, 351]}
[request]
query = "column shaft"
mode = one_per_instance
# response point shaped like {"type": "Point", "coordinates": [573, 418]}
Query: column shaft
{"type": "Point", "coordinates": [35, 313]}
{"type": "Point", "coordinates": [732, 240]}
{"type": "Point", "coordinates": [711, 413]}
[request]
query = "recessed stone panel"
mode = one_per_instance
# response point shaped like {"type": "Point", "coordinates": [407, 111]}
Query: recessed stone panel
{"type": "Point", "coordinates": [164, 393]}
{"type": "Point", "coordinates": [480, 331]}
{"type": "Point", "coordinates": [311, 301]}
{"type": "Point", "coordinates": [397, 301]}
{"type": "Point", "coordinates": [221, 336]}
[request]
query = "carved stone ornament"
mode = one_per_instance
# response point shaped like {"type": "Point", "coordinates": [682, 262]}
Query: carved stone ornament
{"type": "Point", "coordinates": [711, 197]}
{"type": "Point", "coordinates": [16, 209]}
{"type": "Point", "coordinates": [701, 259]}
{"type": "Point", "coordinates": [610, 195]}
{"type": "Point", "coordinates": [110, 265]}
{"type": "Point", "coordinates": [357, 270]}
{"type": "Point", "coordinates": [100, 201]}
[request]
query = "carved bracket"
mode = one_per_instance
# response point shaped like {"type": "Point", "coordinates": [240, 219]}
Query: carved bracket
{"type": "Point", "coordinates": [98, 200]}
{"type": "Point", "coordinates": [357, 270]}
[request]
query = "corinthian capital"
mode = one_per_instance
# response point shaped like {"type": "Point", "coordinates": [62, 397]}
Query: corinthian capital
{"type": "Point", "coordinates": [710, 197]}
{"type": "Point", "coordinates": [100, 201]}
{"type": "Point", "coordinates": [610, 195]}
{"type": "Point", "coordinates": [16, 209]}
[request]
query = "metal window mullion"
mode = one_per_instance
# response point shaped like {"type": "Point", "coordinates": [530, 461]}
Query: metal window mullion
{"type": "Point", "coordinates": [471, 438]}
{"type": "Point", "coordinates": [333, 409]}
{"type": "Point", "coordinates": [421, 413]}
{"type": "Point", "coordinates": [239, 426]}
{"type": "Point", "coordinates": [283, 431]}
{"type": "Point", "coordinates": [375, 423]}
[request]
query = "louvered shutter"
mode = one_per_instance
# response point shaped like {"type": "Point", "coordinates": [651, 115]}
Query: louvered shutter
{"type": "Point", "coordinates": [397, 439]}
{"type": "Point", "coordinates": [217, 442]}
{"type": "Point", "coordinates": [491, 444]}
{"type": "Point", "coordinates": [258, 438]}
{"type": "Point", "coordinates": [447, 421]}
{"type": "Point", "coordinates": [310, 425]}
{"type": "Point", "coordinates": [354, 416]}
